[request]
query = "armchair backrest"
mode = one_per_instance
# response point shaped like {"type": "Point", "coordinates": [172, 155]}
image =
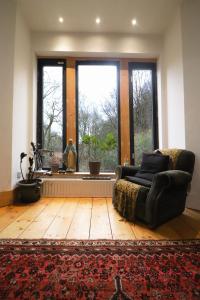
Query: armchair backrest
{"type": "Point", "coordinates": [180, 159]}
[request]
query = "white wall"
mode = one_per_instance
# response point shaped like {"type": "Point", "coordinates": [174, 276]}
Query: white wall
{"type": "Point", "coordinates": [162, 105]}
{"type": "Point", "coordinates": [15, 91]}
{"type": "Point", "coordinates": [173, 90]}
{"type": "Point", "coordinates": [89, 44]}
{"type": "Point", "coordinates": [191, 65]}
{"type": "Point", "coordinates": [22, 97]}
{"type": "Point", "coordinates": [181, 66]}
{"type": "Point", "coordinates": [7, 38]}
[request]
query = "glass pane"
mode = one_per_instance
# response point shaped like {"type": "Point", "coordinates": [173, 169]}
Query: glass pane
{"type": "Point", "coordinates": [52, 133]}
{"type": "Point", "coordinates": [142, 113]}
{"type": "Point", "coordinates": [97, 116]}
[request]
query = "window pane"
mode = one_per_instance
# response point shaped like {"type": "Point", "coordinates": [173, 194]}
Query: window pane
{"type": "Point", "coordinates": [142, 113]}
{"type": "Point", "coordinates": [52, 96]}
{"type": "Point", "coordinates": [97, 116]}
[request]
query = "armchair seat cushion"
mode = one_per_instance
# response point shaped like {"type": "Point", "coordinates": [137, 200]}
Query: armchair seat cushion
{"type": "Point", "coordinates": [145, 176]}
{"type": "Point", "coordinates": [140, 181]}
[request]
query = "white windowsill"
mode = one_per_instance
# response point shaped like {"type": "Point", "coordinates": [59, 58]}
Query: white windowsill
{"type": "Point", "coordinates": [69, 175]}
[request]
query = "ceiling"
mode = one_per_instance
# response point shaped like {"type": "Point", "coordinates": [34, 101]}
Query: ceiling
{"type": "Point", "coordinates": [153, 16]}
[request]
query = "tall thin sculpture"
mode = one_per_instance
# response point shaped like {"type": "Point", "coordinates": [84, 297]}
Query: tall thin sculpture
{"type": "Point", "coordinates": [70, 156]}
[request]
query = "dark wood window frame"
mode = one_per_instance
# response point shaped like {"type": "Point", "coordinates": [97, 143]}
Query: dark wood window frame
{"type": "Point", "coordinates": [99, 62]}
{"type": "Point", "coordinates": [42, 62]}
{"type": "Point", "coordinates": [143, 66]}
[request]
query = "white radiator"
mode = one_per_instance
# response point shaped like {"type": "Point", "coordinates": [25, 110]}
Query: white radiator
{"type": "Point", "coordinates": [77, 188]}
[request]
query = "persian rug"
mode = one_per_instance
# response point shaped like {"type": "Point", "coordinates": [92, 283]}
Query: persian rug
{"type": "Point", "coordinates": [101, 269]}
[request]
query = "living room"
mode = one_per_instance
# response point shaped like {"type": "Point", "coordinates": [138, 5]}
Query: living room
{"type": "Point", "coordinates": [128, 33]}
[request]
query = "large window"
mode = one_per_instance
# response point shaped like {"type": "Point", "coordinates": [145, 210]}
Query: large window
{"type": "Point", "coordinates": [85, 107]}
{"type": "Point", "coordinates": [143, 110]}
{"type": "Point", "coordinates": [51, 108]}
{"type": "Point", "coordinates": [97, 114]}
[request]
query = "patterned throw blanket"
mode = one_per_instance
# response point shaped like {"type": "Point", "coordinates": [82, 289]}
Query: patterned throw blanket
{"type": "Point", "coordinates": [173, 154]}
{"type": "Point", "coordinates": [125, 198]}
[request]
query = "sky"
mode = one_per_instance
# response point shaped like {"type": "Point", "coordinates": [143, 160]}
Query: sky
{"type": "Point", "coordinates": [97, 82]}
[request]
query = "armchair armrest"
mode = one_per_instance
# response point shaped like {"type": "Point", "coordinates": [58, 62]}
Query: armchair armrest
{"type": "Point", "coordinates": [171, 178]}
{"type": "Point", "coordinates": [162, 182]}
{"type": "Point", "coordinates": [122, 171]}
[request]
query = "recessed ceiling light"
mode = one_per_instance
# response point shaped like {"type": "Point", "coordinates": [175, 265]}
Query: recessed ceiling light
{"type": "Point", "coordinates": [134, 22]}
{"type": "Point", "coordinates": [98, 20]}
{"type": "Point", "coordinates": [61, 20]}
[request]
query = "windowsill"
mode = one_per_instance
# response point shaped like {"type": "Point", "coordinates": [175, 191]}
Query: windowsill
{"type": "Point", "coordinates": [44, 174]}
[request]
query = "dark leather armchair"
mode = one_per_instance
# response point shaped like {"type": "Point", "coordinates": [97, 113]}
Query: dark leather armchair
{"type": "Point", "coordinates": [160, 199]}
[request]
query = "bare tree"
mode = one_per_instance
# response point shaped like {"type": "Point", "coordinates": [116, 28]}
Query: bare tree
{"type": "Point", "coordinates": [142, 113]}
{"type": "Point", "coordinates": [142, 97]}
{"type": "Point", "coordinates": [109, 108]}
{"type": "Point", "coordinates": [52, 111]}
{"type": "Point", "coordinates": [84, 116]}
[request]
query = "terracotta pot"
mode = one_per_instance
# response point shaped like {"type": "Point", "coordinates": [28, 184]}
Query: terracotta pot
{"type": "Point", "coordinates": [94, 167]}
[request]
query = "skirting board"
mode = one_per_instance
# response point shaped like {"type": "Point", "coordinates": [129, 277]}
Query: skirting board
{"type": "Point", "coordinates": [6, 198]}
{"type": "Point", "coordinates": [77, 188]}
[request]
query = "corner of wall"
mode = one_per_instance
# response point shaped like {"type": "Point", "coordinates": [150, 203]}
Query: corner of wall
{"type": "Point", "coordinates": [173, 83]}
{"type": "Point", "coordinates": [7, 36]}
{"type": "Point", "coordinates": [162, 104]}
{"type": "Point", "coordinates": [22, 96]}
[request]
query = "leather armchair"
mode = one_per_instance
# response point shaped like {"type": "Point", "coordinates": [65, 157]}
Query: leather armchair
{"type": "Point", "coordinates": [159, 200]}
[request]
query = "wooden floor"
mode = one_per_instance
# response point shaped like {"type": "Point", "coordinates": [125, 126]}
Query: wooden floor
{"type": "Point", "coordinates": [86, 218]}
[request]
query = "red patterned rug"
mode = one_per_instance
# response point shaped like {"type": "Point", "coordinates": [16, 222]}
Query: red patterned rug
{"type": "Point", "coordinates": [102, 269]}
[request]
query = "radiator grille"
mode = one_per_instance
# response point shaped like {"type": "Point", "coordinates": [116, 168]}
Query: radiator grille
{"type": "Point", "coordinates": [77, 188]}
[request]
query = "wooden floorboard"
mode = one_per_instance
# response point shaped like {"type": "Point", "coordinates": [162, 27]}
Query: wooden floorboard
{"type": "Point", "coordinates": [59, 228]}
{"type": "Point", "coordinates": [100, 224]}
{"type": "Point", "coordinates": [80, 226]}
{"type": "Point", "coordinates": [87, 218]}
{"type": "Point", "coordinates": [41, 223]}
{"type": "Point", "coordinates": [21, 223]}
{"type": "Point", "coordinates": [120, 229]}
{"type": "Point", "coordinates": [11, 215]}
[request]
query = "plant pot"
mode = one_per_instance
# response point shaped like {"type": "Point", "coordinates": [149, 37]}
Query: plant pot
{"type": "Point", "coordinates": [94, 167]}
{"type": "Point", "coordinates": [28, 192]}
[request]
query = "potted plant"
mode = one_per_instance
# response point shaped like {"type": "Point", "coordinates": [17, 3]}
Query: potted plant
{"type": "Point", "coordinates": [93, 144]}
{"type": "Point", "coordinates": [28, 189]}
{"type": "Point", "coordinates": [96, 148]}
